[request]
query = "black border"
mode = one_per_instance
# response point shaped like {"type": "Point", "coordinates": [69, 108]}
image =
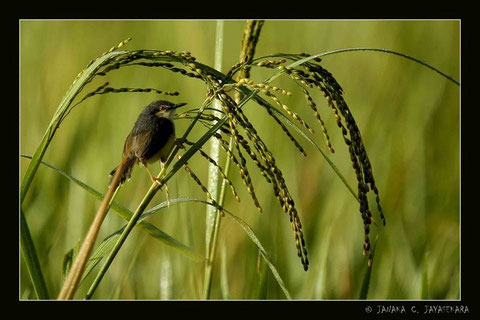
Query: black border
{"type": "Point", "coordinates": [311, 309]}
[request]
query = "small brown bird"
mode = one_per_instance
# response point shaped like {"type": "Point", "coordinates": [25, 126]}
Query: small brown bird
{"type": "Point", "coordinates": [151, 139]}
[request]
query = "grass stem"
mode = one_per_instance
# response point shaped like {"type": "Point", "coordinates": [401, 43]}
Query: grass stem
{"type": "Point", "coordinates": [146, 200]}
{"type": "Point", "coordinates": [31, 260]}
{"type": "Point", "coordinates": [75, 275]}
{"type": "Point", "coordinates": [213, 215]}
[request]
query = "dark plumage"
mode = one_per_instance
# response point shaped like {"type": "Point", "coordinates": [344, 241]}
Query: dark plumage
{"type": "Point", "coordinates": [151, 139]}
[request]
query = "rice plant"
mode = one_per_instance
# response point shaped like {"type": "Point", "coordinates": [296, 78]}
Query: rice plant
{"type": "Point", "coordinates": [240, 142]}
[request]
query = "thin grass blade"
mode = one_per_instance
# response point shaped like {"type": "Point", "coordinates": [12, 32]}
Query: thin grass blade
{"type": "Point", "coordinates": [26, 242]}
{"type": "Point", "coordinates": [31, 260]}
{"type": "Point", "coordinates": [287, 121]}
{"type": "Point", "coordinates": [257, 242]}
{"type": "Point", "coordinates": [126, 214]}
{"type": "Point", "coordinates": [103, 249]}
{"type": "Point", "coordinates": [70, 95]}
{"type": "Point", "coordinates": [244, 226]}
{"type": "Point", "coordinates": [321, 280]}
{"type": "Point", "coordinates": [423, 63]}
{"type": "Point", "coordinates": [68, 259]}
{"type": "Point", "coordinates": [424, 293]}
{"type": "Point", "coordinates": [252, 94]}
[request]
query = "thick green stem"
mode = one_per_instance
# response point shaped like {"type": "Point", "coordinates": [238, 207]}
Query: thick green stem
{"type": "Point", "coordinates": [144, 203]}
{"type": "Point", "coordinates": [213, 215]}
{"type": "Point", "coordinates": [213, 241]}
{"type": "Point", "coordinates": [250, 38]}
{"type": "Point", "coordinates": [131, 223]}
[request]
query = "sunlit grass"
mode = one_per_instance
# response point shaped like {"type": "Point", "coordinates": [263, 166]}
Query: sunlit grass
{"type": "Point", "coordinates": [408, 116]}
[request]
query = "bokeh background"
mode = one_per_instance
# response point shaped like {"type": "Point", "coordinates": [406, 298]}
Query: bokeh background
{"type": "Point", "coordinates": [408, 116]}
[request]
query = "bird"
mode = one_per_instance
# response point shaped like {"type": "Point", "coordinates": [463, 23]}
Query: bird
{"type": "Point", "coordinates": [152, 138]}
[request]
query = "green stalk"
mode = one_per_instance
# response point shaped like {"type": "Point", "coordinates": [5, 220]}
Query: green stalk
{"type": "Point", "coordinates": [212, 214]}
{"type": "Point", "coordinates": [151, 193]}
{"type": "Point", "coordinates": [223, 272]}
{"type": "Point", "coordinates": [131, 223]}
{"type": "Point", "coordinates": [149, 196]}
{"type": "Point", "coordinates": [74, 277]}
{"type": "Point", "coordinates": [327, 53]}
{"type": "Point", "coordinates": [26, 243]}
{"type": "Point", "coordinates": [31, 260]}
{"type": "Point", "coordinates": [250, 38]}
{"type": "Point", "coordinates": [127, 214]}
{"type": "Point", "coordinates": [211, 256]}
{"type": "Point", "coordinates": [67, 100]}
{"type": "Point", "coordinates": [395, 53]}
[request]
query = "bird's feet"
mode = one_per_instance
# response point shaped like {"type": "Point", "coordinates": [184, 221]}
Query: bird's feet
{"type": "Point", "coordinates": [160, 183]}
{"type": "Point", "coordinates": [156, 180]}
{"type": "Point", "coordinates": [167, 195]}
{"type": "Point", "coordinates": [180, 143]}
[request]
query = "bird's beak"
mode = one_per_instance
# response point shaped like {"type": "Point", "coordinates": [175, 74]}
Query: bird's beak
{"type": "Point", "coordinates": [178, 105]}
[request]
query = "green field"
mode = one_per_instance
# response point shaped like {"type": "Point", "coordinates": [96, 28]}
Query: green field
{"type": "Point", "coordinates": [408, 115]}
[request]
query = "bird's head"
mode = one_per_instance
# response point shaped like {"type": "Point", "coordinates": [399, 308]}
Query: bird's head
{"type": "Point", "coordinates": [163, 108]}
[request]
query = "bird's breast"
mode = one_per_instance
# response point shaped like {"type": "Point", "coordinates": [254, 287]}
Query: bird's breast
{"type": "Point", "coordinates": [163, 152]}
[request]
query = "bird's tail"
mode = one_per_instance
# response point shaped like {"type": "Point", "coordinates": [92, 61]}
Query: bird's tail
{"type": "Point", "coordinates": [126, 166]}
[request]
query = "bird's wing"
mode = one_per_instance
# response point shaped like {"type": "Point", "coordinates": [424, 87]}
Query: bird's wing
{"type": "Point", "coordinates": [140, 143]}
{"type": "Point", "coordinates": [145, 144]}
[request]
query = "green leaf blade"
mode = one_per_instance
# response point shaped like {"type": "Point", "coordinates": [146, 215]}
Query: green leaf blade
{"type": "Point", "coordinates": [126, 214]}
{"type": "Point", "coordinates": [31, 260]}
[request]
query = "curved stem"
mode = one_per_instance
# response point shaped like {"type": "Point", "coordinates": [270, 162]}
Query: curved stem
{"type": "Point", "coordinates": [327, 53]}
{"type": "Point", "coordinates": [126, 231]}
{"type": "Point", "coordinates": [395, 53]}
{"type": "Point", "coordinates": [75, 275]}
{"type": "Point", "coordinates": [142, 206]}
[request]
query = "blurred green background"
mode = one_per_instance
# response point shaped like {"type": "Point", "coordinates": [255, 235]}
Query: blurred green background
{"type": "Point", "coordinates": [408, 116]}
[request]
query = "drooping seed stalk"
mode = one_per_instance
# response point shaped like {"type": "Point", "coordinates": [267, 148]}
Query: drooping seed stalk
{"type": "Point", "coordinates": [222, 172]}
{"type": "Point", "coordinates": [250, 38]}
{"type": "Point", "coordinates": [143, 204]}
{"type": "Point", "coordinates": [315, 77]}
